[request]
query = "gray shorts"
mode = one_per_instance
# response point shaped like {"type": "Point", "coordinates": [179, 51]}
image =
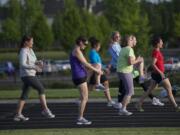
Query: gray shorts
{"type": "Point", "coordinates": [127, 80]}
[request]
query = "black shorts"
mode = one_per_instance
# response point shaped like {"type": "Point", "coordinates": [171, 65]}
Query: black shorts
{"type": "Point", "coordinates": [92, 80]}
{"type": "Point", "coordinates": [157, 77]}
{"type": "Point", "coordinates": [79, 80]}
{"type": "Point", "coordinates": [112, 69]}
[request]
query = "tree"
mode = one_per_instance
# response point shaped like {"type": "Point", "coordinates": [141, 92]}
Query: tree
{"type": "Point", "coordinates": [105, 30]}
{"type": "Point", "coordinates": [67, 26]}
{"type": "Point", "coordinates": [14, 10]}
{"type": "Point", "coordinates": [32, 9]}
{"type": "Point", "coordinates": [41, 31]}
{"type": "Point", "coordinates": [176, 6]}
{"type": "Point", "coordinates": [126, 16]}
{"type": "Point", "coordinates": [176, 30]}
{"type": "Point", "coordinates": [154, 15]}
{"type": "Point", "coordinates": [35, 23]}
{"type": "Point", "coordinates": [11, 25]}
{"type": "Point", "coordinates": [96, 26]}
{"type": "Point", "coordinates": [74, 21]}
{"type": "Point", "coordinates": [10, 31]}
{"type": "Point", "coordinates": [177, 24]}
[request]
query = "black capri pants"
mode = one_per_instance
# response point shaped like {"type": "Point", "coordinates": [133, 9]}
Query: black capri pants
{"type": "Point", "coordinates": [31, 81]}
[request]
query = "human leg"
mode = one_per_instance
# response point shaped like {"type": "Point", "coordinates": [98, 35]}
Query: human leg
{"type": "Point", "coordinates": [83, 90]}
{"type": "Point", "coordinates": [121, 91]}
{"type": "Point", "coordinates": [121, 94]}
{"type": "Point", "coordinates": [152, 86]}
{"type": "Point", "coordinates": [107, 93]}
{"type": "Point", "coordinates": [167, 85]}
{"type": "Point", "coordinates": [24, 95]}
{"type": "Point", "coordinates": [36, 84]}
{"type": "Point", "coordinates": [145, 85]}
{"type": "Point", "coordinates": [129, 91]}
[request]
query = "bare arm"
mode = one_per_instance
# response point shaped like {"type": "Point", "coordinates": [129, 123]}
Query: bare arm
{"type": "Point", "coordinates": [133, 61]}
{"type": "Point", "coordinates": [156, 68]}
{"type": "Point", "coordinates": [82, 59]}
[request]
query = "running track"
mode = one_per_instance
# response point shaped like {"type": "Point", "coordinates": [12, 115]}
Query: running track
{"type": "Point", "coordinates": [99, 113]}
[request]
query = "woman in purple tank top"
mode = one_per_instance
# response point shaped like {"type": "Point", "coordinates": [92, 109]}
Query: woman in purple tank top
{"type": "Point", "coordinates": [79, 75]}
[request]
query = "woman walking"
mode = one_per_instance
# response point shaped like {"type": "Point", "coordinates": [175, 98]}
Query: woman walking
{"type": "Point", "coordinates": [125, 63]}
{"type": "Point", "coordinates": [158, 76]}
{"type": "Point", "coordinates": [96, 61]}
{"type": "Point", "coordinates": [79, 76]}
{"type": "Point", "coordinates": [28, 68]}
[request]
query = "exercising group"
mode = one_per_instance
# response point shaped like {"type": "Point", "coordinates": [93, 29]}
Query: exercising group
{"type": "Point", "coordinates": [92, 75]}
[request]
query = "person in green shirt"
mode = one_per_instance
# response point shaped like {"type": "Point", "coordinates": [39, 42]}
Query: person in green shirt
{"type": "Point", "coordinates": [125, 63]}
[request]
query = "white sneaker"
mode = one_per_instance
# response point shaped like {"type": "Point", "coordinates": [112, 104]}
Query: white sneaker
{"type": "Point", "coordinates": [48, 114]}
{"type": "Point", "coordinates": [124, 112]}
{"type": "Point", "coordinates": [83, 121]}
{"type": "Point", "coordinates": [111, 103]}
{"type": "Point", "coordinates": [157, 102]}
{"type": "Point", "coordinates": [117, 105]}
{"type": "Point", "coordinates": [99, 87]}
{"type": "Point", "coordinates": [20, 117]}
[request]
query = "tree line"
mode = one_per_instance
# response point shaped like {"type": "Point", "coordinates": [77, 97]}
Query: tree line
{"type": "Point", "coordinates": [141, 18]}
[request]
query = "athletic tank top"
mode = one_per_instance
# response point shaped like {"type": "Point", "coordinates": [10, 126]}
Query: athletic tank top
{"type": "Point", "coordinates": [77, 68]}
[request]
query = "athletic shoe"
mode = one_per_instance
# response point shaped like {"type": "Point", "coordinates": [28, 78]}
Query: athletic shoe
{"type": "Point", "coordinates": [178, 109]}
{"type": "Point", "coordinates": [157, 102]}
{"type": "Point", "coordinates": [124, 112]}
{"type": "Point", "coordinates": [110, 103]}
{"type": "Point", "coordinates": [139, 108]}
{"type": "Point", "coordinates": [117, 105]}
{"type": "Point", "coordinates": [83, 121]}
{"type": "Point", "coordinates": [48, 114]}
{"type": "Point", "coordinates": [20, 118]}
{"type": "Point", "coordinates": [99, 87]}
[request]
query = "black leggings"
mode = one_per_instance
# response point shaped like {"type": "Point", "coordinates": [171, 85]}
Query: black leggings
{"type": "Point", "coordinates": [33, 82]}
{"type": "Point", "coordinates": [121, 92]}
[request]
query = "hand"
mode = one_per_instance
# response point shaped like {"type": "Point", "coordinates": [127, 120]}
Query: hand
{"type": "Point", "coordinates": [139, 59]}
{"type": "Point", "coordinates": [107, 71]}
{"type": "Point", "coordinates": [162, 75]}
{"type": "Point", "coordinates": [38, 68]}
{"type": "Point", "coordinates": [99, 72]}
{"type": "Point", "coordinates": [39, 63]}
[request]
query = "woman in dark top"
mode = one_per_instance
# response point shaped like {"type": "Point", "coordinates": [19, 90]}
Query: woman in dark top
{"type": "Point", "coordinates": [79, 76]}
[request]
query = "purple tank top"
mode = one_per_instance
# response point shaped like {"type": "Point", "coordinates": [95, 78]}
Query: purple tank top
{"type": "Point", "coordinates": [77, 69]}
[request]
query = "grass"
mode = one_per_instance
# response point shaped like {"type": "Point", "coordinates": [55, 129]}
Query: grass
{"type": "Point", "coordinates": [13, 56]}
{"type": "Point", "coordinates": [95, 131]}
{"type": "Point", "coordinates": [63, 93]}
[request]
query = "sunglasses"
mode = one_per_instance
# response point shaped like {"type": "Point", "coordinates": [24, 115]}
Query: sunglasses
{"type": "Point", "coordinates": [85, 43]}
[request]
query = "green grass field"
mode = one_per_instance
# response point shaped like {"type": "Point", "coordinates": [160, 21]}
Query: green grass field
{"type": "Point", "coordinates": [64, 93]}
{"type": "Point", "coordinates": [95, 131]}
{"type": "Point", "coordinates": [13, 56]}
